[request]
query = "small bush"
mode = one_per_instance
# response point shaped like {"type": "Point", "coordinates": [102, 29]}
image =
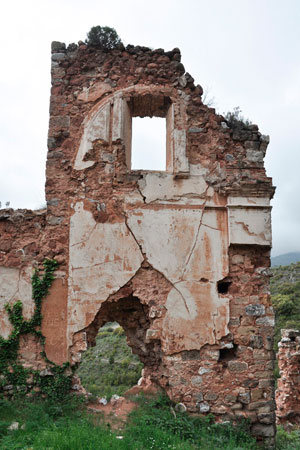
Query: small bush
{"type": "Point", "coordinates": [287, 441]}
{"type": "Point", "coordinates": [119, 331]}
{"type": "Point", "coordinates": [105, 38]}
{"type": "Point", "coordinates": [236, 119]}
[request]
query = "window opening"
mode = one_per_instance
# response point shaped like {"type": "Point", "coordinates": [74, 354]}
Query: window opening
{"type": "Point", "coordinates": [148, 150]}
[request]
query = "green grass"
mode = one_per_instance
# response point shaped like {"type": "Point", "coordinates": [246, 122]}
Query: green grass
{"type": "Point", "coordinates": [109, 367]}
{"type": "Point", "coordinates": [287, 441]}
{"type": "Point", "coordinates": [153, 426]}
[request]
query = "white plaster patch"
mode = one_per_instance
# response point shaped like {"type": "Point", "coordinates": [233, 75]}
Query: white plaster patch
{"type": "Point", "coordinates": [195, 316]}
{"type": "Point", "coordinates": [15, 285]}
{"type": "Point", "coordinates": [209, 258]}
{"type": "Point", "coordinates": [118, 118]}
{"type": "Point", "coordinates": [96, 127]}
{"type": "Point", "coordinates": [94, 92]}
{"type": "Point", "coordinates": [163, 186]}
{"type": "Point", "coordinates": [250, 226]}
{"type": "Point", "coordinates": [103, 257]}
{"type": "Point", "coordinates": [248, 201]}
{"type": "Point", "coordinates": [181, 163]}
{"type": "Point", "coordinates": [183, 244]}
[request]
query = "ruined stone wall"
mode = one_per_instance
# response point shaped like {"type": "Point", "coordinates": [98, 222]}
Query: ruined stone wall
{"type": "Point", "coordinates": [288, 385]}
{"type": "Point", "coordinates": [179, 257]}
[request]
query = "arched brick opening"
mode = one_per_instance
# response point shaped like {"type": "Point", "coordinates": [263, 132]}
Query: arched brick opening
{"type": "Point", "coordinates": [133, 316]}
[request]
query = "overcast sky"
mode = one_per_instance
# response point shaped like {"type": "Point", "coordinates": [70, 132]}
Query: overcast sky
{"type": "Point", "coordinates": [245, 52]}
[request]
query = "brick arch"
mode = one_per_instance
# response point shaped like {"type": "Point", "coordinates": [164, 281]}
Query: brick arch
{"type": "Point", "coordinates": [139, 308]}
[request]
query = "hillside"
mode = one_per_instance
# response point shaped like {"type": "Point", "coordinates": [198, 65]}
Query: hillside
{"type": "Point", "coordinates": [285, 259]}
{"type": "Point", "coordinates": [285, 290]}
{"type": "Point", "coordinates": [109, 367]}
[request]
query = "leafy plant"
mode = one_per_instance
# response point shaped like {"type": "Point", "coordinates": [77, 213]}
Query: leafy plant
{"type": "Point", "coordinates": [105, 38]}
{"type": "Point", "coordinates": [12, 373]}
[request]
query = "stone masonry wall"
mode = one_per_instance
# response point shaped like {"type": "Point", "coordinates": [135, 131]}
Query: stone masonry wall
{"type": "Point", "coordinates": [179, 257]}
{"type": "Point", "coordinates": [288, 385]}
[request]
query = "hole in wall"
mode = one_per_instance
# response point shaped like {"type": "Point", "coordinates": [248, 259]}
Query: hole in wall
{"type": "Point", "coordinates": [148, 149]}
{"type": "Point", "coordinates": [226, 354]}
{"type": "Point", "coordinates": [223, 285]}
{"type": "Point", "coordinates": [109, 366]}
{"type": "Point", "coordinates": [120, 323]}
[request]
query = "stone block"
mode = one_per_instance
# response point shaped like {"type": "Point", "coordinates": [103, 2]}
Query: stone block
{"type": "Point", "coordinates": [261, 430]}
{"type": "Point", "coordinates": [255, 310]}
{"type": "Point", "coordinates": [237, 366]}
{"type": "Point", "coordinates": [203, 407]}
{"type": "Point", "coordinates": [196, 380]}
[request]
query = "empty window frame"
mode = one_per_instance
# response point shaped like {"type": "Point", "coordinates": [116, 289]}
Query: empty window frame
{"type": "Point", "coordinates": [148, 144]}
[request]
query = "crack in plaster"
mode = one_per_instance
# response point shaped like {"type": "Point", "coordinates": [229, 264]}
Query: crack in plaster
{"type": "Point", "coordinates": [246, 228]}
{"type": "Point", "coordinates": [87, 239]}
{"type": "Point", "coordinates": [196, 237]}
{"type": "Point", "coordinates": [212, 228]}
{"type": "Point", "coordinates": [214, 316]}
{"type": "Point", "coordinates": [145, 258]}
{"type": "Point", "coordinates": [140, 192]}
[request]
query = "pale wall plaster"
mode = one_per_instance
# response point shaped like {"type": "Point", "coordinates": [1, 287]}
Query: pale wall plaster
{"type": "Point", "coordinates": [97, 127]}
{"type": "Point", "coordinates": [190, 247]}
{"type": "Point", "coordinates": [185, 244]}
{"type": "Point", "coordinates": [15, 285]}
{"type": "Point", "coordinates": [103, 257]}
{"type": "Point", "coordinates": [195, 316]}
{"type": "Point", "coordinates": [163, 187]}
{"type": "Point", "coordinates": [250, 225]}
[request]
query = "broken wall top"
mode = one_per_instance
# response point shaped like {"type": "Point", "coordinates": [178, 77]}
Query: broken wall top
{"type": "Point", "coordinates": [86, 79]}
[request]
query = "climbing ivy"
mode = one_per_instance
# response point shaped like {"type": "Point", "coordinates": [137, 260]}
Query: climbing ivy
{"type": "Point", "coordinates": [53, 382]}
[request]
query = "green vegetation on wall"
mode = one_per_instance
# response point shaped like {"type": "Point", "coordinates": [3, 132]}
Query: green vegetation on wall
{"type": "Point", "coordinates": [14, 378]}
{"type": "Point", "coordinates": [105, 38]}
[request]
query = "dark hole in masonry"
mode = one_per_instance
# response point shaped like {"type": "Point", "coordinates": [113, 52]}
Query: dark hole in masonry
{"type": "Point", "coordinates": [226, 354]}
{"type": "Point", "coordinates": [223, 286]}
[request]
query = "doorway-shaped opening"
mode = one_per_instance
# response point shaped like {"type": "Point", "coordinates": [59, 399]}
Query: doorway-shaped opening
{"type": "Point", "coordinates": [109, 367]}
{"type": "Point", "coordinates": [118, 348]}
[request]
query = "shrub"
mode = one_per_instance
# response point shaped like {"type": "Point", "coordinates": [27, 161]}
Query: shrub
{"type": "Point", "coordinates": [236, 119]}
{"type": "Point", "coordinates": [119, 331]}
{"type": "Point", "coordinates": [105, 38]}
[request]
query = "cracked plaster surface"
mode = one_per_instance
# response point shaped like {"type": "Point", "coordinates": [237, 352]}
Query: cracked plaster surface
{"type": "Point", "coordinates": [103, 258]}
{"type": "Point", "coordinates": [163, 187]}
{"type": "Point", "coordinates": [186, 246]}
{"type": "Point", "coordinates": [204, 321]}
{"type": "Point", "coordinates": [250, 225]}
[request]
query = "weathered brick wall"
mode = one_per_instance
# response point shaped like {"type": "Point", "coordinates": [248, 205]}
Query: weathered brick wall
{"type": "Point", "coordinates": [179, 258]}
